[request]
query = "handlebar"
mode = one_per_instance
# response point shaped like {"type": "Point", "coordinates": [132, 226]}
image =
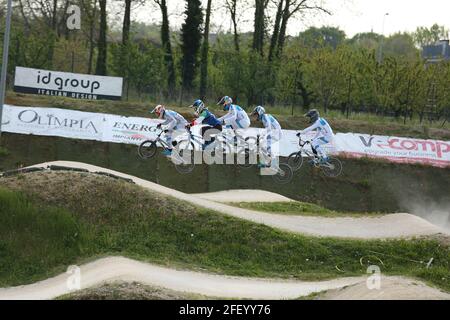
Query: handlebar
{"type": "Point", "coordinates": [161, 131]}
{"type": "Point", "coordinates": [302, 142]}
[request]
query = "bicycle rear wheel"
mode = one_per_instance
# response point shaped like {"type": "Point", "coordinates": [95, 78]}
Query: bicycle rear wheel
{"type": "Point", "coordinates": [295, 160]}
{"type": "Point", "coordinates": [147, 149]}
{"type": "Point", "coordinates": [333, 168]}
{"type": "Point", "coordinates": [184, 161]}
{"type": "Point", "coordinates": [246, 155]}
{"type": "Point", "coordinates": [284, 174]}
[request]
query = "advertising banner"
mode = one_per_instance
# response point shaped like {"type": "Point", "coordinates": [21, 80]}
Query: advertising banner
{"type": "Point", "coordinates": [53, 122]}
{"type": "Point", "coordinates": [134, 130]}
{"type": "Point", "coordinates": [397, 149]}
{"type": "Point", "coordinates": [64, 84]}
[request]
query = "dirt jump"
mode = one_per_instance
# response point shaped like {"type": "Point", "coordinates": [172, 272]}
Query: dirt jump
{"type": "Point", "coordinates": [399, 225]}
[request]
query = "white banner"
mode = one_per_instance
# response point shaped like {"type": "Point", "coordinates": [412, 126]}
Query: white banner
{"type": "Point", "coordinates": [396, 149]}
{"type": "Point", "coordinates": [134, 130]}
{"type": "Point", "coordinates": [53, 122]}
{"type": "Point", "coordinates": [65, 84]}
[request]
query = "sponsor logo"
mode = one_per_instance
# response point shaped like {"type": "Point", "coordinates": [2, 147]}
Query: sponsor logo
{"type": "Point", "coordinates": [64, 83]}
{"type": "Point", "coordinates": [49, 120]}
{"type": "Point", "coordinates": [436, 147]}
{"type": "Point", "coordinates": [133, 127]}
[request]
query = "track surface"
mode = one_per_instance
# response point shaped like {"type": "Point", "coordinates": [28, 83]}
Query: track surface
{"type": "Point", "coordinates": [123, 269]}
{"type": "Point", "coordinates": [243, 196]}
{"type": "Point", "coordinates": [400, 225]}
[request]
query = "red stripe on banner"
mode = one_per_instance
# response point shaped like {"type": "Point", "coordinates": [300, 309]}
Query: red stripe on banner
{"type": "Point", "coordinates": [432, 162]}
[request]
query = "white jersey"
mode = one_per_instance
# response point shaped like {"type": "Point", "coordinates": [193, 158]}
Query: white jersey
{"type": "Point", "coordinates": [173, 120]}
{"type": "Point", "coordinates": [323, 129]}
{"type": "Point", "coordinates": [272, 126]}
{"type": "Point", "coordinates": [236, 115]}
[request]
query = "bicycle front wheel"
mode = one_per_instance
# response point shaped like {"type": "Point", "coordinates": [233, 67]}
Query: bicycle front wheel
{"type": "Point", "coordinates": [284, 174]}
{"type": "Point", "coordinates": [147, 149]}
{"type": "Point", "coordinates": [295, 160]}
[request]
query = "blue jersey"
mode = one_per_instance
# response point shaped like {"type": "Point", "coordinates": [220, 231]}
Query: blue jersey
{"type": "Point", "coordinates": [206, 117]}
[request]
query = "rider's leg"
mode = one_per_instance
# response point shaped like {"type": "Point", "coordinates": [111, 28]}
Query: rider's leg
{"type": "Point", "coordinates": [239, 127]}
{"type": "Point", "coordinates": [317, 146]}
{"type": "Point", "coordinates": [168, 151]}
{"type": "Point", "coordinates": [266, 155]}
{"type": "Point", "coordinates": [208, 134]}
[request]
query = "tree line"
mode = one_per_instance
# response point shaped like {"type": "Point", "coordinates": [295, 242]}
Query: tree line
{"type": "Point", "coordinates": [319, 67]}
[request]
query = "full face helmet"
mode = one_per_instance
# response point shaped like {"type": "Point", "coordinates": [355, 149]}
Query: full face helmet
{"type": "Point", "coordinates": [313, 115]}
{"type": "Point", "coordinates": [225, 102]}
{"type": "Point", "coordinates": [259, 111]}
{"type": "Point", "coordinates": [159, 111]}
{"type": "Point", "coordinates": [199, 106]}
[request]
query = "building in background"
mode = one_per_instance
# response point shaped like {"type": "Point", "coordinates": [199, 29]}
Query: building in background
{"type": "Point", "coordinates": [437, 52]}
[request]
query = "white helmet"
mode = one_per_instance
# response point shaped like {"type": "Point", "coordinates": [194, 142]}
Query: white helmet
{"type": "Point", "coordinates": [159, 110]}
{"type": "Point", "coordinates": [225, 102]}
{"type": "Point", "coordinates": [260, 111]}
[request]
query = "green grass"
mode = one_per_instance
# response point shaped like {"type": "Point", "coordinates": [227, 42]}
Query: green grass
{"type": "Point", "coordinates": [3, 152]}
{"type": "Point", "coordinates": [296, 208]}
{"type": "Point", "coordinates": [130, 291]}
{"type": "Point", "coordinates": [50, 221]}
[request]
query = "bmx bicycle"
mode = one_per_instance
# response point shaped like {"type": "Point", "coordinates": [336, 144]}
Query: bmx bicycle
{"type": "Point", "coordinates": [148, 148]}
{"type": "Point", "coordinates": [331, 168]}
{"type": "Point", "coordinates": [284, 172]}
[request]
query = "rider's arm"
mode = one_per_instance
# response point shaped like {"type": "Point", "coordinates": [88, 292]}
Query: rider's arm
{"type": "Point", "coordinates": [311, 128]}
{"type": "Point", "coordinates": [230, 116]}
{"type": "Point", "coordinates": [267, 125]}
{"type": "Point", "coordinates": [200, 119]}
{"type": "Point", "coordinates": [170, 122]}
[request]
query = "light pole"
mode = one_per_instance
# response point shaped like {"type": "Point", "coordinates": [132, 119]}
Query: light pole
{"type": "Point", "coordinates": [5, 61]}
{"type": "Point", "coordinates": [380, 53]}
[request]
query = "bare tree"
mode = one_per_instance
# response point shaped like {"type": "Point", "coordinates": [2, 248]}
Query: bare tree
{"type": "Point", "coordinates": [126, 23]}
{"type": "Point", "coordinates": [167, 46]}
{"type": "Point", "coordinates": [276, 29]}
{"type": "Point", "coordinates": [101, 68]}
{"type": "Point", "coordinates": [259, 25]}
{"type": "Point", "coordinates": [291, 8]}
{"type": "Point", "coordinates": [231, 6]}
{"type": "Point", "coordinates": [90, 12]}
{"type": "Point", "coordinates": [204, 53]}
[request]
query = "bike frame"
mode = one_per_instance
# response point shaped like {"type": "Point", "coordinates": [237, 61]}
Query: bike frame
{"type": "Point", "coordinates": [302, 145]}
{"type": "Point", "coordinates": [160, 140]}
{"type": "Point", "coordinates": [194, 138]}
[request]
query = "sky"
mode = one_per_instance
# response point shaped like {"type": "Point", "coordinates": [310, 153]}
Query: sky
{"type": "Point", "coordinates": [352, 16]}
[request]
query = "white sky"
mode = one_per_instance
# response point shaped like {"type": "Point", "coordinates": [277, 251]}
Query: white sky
{"type": "Point", "coordinates": [352, 16]}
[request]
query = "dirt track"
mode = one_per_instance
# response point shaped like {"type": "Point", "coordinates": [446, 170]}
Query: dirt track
{"type": "Point", "coordinates": [399, 225]}
{"type": "Point", "coordinates": [123, 269]}
{"type": "Point", "coordinates": [243, 196]}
